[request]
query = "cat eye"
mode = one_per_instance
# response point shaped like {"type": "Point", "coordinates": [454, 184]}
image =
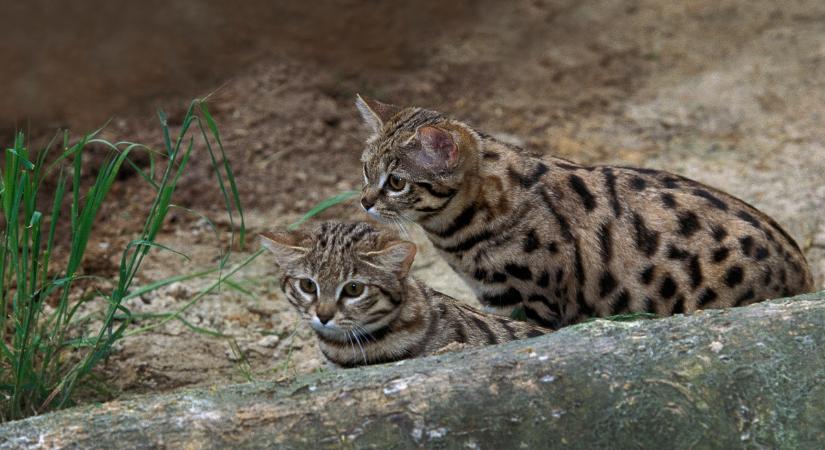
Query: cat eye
{"type": "Point", "coordinates": [396, 183]}
{"type": "Point", "coordinates": [307, 285]}
{"type": "Point", "coordinates": [353, 289]}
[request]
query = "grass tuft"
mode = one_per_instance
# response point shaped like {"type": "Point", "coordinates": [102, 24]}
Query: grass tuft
{"type": "Point", "coordinates": [45, 353]}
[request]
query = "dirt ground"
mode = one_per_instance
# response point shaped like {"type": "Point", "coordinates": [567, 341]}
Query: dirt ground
{"type": "Point", "coordinates": [731, 93]}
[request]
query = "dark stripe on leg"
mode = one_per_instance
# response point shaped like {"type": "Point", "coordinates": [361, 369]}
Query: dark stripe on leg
{"type": "Point", "coordinates": [482, 325]}
{"type": "Point", "coordinates": [580, 188]}
{"type": "Point", "coordinates": [610, 183]}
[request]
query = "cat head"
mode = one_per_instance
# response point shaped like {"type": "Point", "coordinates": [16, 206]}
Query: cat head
{"type": "Point", "coordinates": [344, 278]}
{"type": "Point", "coordinates": [415, 160]}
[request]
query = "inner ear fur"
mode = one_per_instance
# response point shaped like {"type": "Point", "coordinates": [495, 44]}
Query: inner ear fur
{"type": "Point", "coordinates": [285, 246]}
{"type": "Point", "coordinates": [375, 113]}
{"type": "Point", "coordinates": [396, 256]}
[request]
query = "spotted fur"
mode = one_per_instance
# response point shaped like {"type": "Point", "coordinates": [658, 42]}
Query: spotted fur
{"type": "Point", "coordinates": [395, 316]}
{"type": "Point", "coordinates": [567, 241]}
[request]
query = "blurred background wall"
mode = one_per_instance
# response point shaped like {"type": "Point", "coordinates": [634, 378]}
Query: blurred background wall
{"type": "Point", "coordinates": [76, 63]}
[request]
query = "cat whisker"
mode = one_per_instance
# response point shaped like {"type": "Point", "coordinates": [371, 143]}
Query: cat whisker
{"type": "Point", "coordinates": [354, 354]}
{"type": "Point", "coordinates": [401, 228]}
{"type": "Point", "coordinates": [406, 218]}
{"type": "Point", "coordinates": [363, 354]}
{"type": "Point", "coordinates": [364, 333]}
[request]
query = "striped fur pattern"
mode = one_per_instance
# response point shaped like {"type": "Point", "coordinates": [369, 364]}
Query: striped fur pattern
{"type": "Point", "coordinates": [351, 282]}
{"type": "Point", "coordinates": [567, 241]}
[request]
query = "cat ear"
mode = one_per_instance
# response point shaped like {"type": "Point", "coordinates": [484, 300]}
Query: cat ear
{"type": "Point", "coordinates": [438, 149]}
{"type": "Point", "coordinates": [396, 256]}
{"type": "Point", "coordinates": [284, 245]}
{"type": "Point", "coordinates": [375, 113]}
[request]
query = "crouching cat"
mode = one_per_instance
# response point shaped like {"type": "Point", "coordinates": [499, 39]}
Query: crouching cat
{"type": "Point", "coordinates": [351, 282]}
{"type": "Point", "coordinates": [566, 241]}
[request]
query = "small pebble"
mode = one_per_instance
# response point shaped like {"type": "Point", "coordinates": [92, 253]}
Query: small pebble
{"type": "Point", "coordinates": [268, 341]}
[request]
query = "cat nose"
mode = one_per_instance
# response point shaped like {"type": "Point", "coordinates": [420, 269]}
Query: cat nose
{"type": "Point", "coordinates": [324, 317]}
{"type": "Point", "coordinates": [367, 202]}
{"type": "Point", "coordinates": [325, 313]}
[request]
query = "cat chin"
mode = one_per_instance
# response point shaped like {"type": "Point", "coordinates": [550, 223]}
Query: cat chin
{"type": "Point", "coordinates": [334, 334]}
{"type": "Point", "coordinates": [340, 335]}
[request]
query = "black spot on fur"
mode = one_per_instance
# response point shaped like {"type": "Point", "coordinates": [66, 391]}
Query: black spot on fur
{"type": "Point", "coordinates": [567, 166]}
{"type": "Point", "coordinates": [610, 183]}
{"type": "Point", "coordinates": [679, 306]}
{"type": "Point", "coordinates": [649, 306]}
{"type": "Point", "coordinates": [580, 276]}
{"type": "Point", "coordinates": [490, 155]}
{"type": "Point", "coordinates": [579, 186]}
{"type": "Point", "coordinates": [668, 287]}
{"type": "Point", "coordinates": [747, 217]}
{"type": "Point", "coordinates": [533, 316]}
{"type": "Point", "coordinates": [638, 183]}
{"type": "Point", "coordinates": [708, 295]}
{"type": "Point", "coordinates": [605, 246]}
{"type": "Point", "coordinates": [527, 181]}
{"type": "Point", "coordinates": [531, 241]}
{"type": "Point", "coordinates": [647, 275]}
{"type": "Point", "coordinates": [674, 252]}
{"type": "Point", "coordinates": [688, 223]}
{"type": "Point", "coordinates": [518, 271]}
{"type": "Point", "coordinates": [766, 280]}
{"type": "Point", "coordinates": [507, 298]}
{"type": "Point", "coordinates": [622, 302]}
{"type": "Point", "coordinates": [670, 182]}
{"type": "Point", "coordinates": [668, 200]}
{"type": "Point", "coordinates": [749, 295]}
{"type": "Point", "coordinates": [720, 254]}
{"type": "Point", "coordinates": [712, 199]}
{"type": "Point", "coordinates": [761, 253]}
{"type": "Point", "coordinates": [747, 245]}
{"type": "Point", "coordinates": [584, 308]}
{"type": "Point", "coordinates": [734, 276]}
{"type": "Point", "coordinates": [559, 275]}
{"type": "Point", "coordinates": [642, 170]}
{"type": "Point", "coordinates": [544, 280]}
{"type": "Point", "coordinates": [719, 233]}
{"type": "Point", "coordinates": [647, 240]}
{"type": "Point", "coordinates": [695, 272]}
{"type": "Point", "coordinates": [563, 225]}
{"type": "Point", "coordinates": [781, 231]}
{"type": "Point", "coordinates": [607, 283]}
{"type": "Point", "coordinates": [552, 306]}
{"type": "Point", "coordinates": [499, 277]}
{"type": "Point", "coordinates": [553, 248]}
{"type": "Point", "coordinates": [480, 274]}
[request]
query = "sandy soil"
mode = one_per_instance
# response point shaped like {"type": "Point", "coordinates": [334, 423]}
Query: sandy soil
{"type": "Point", "coordinates": [731, 93]}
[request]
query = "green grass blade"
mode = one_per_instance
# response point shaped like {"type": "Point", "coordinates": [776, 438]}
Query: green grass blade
{"type": "Point", "coordinates": [229, 175]}
{"type": "Point", "coordinates": [323, 205]}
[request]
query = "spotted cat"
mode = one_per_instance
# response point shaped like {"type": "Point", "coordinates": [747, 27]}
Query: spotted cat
{"type": "Point", "coordinates": [351, 282]}
{"type": "Point", "coordinates": [568, 241]}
